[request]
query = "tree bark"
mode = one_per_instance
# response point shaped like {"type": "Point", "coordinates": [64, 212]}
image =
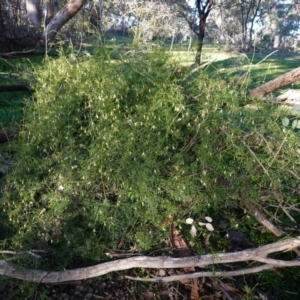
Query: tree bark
{"type": "Point", "coordinates": [33, 14]}
{"type": "Point", "coordinates": [49, 7]}
{"type": "Point", "coordinates": [276, 83]}
{"type": "Point", "coordinates": [203, 8]}
{"type": "Point", "coordinates": [201, 35]}
{"type": "Point", "coordinates": [62, 17]}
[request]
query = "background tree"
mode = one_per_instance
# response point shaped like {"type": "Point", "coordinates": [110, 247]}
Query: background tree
{"type": "Point", "coordinates": [22, 21]}
{"type": "Point", "coordinates": [279, 22]}
{"type": "Point", "coordinates": [234, 24]}
{"type": "Point", "coordinates": [249, 23]}
{"type": "Point", "coordinates": [196, 16]}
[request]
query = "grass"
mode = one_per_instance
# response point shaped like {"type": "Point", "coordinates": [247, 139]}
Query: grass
{"type": "Point", "coordinates": [258, 68]}
{"type": "Point", "coordinates": [11, 111]}
{"type": "Point", "coordinates": [11, 103]}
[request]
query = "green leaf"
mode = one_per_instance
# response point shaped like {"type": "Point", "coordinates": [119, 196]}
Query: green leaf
{"type": "Point", "coordinates": [285, 121]}
{"type": "Point", "coordinates": [296, 109]}
{"type": "Point", "coordinates": [296, 124]}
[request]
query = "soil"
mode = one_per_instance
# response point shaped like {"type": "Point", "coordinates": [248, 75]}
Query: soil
{"type": "Point", "coordinates": [117, 287]}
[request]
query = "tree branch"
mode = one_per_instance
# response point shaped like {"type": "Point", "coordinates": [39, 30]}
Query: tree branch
{"type": "Point", "coordinates": [259, 254]}
{"type": "Point", "coordinates": [205, 274]}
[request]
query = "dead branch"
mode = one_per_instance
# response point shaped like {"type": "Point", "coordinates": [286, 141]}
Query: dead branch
{"type": "Point", "coordinates": [22, 53]}
{"type": "Point", "coordinates": [276, 83]}
{"type": "Point", "coordinates": [260, 217]}
{"type": "Point", "coordinates": [259, 255]}
{"type": "Point", "coordinates": [204, 274]}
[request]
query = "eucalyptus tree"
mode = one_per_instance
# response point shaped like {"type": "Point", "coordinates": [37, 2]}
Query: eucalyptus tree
{"type": "Point", "coordinates": [196, 14]}
{"type": "Point", "coordinates": [249, 23]}
{"type": "Point", "coordinates": [234, 23]}
{"type": "Point", "coordinates": [66, 13]}
{"type": "Point", "coordinates": [153, 19]}
{"type": "Point", "coordinates": [280, 20]}
{"type": "Point", "coordinates": [31, 22]}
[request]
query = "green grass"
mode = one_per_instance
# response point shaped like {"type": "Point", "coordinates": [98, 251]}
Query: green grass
{"type": "Point", "coordinates": [256, 68]}
{"type": "Point", "coordinates": [11, 103]}
{"type": "Point", "coordinates": [11, 108]}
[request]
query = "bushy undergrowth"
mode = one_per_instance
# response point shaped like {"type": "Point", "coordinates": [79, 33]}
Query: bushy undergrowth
{"type": "Point", "coordinates": [112, 151]}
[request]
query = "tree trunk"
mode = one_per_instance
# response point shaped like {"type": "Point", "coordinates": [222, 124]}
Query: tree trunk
{"type": "Point", "coordinates": [252, 24]}
{"type": "Point", "coordinates": [276, 40]}
{"type": "Point", "coordinates": [201, 36]}
{"type": "Point", "coordinates": [49, 6]}
{"type": "Point", "coordinates": [190, 41]}
{"type": "Point", "coordinates": [203, 11]}
{"type": "Point", "coordinates": [62, 17]}
{"type": "Point", "coordinates": [276, 83]}
{"type": "Point", "coordinates": [33, 14]}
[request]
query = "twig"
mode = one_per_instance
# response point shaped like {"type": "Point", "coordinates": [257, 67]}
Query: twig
{"type": "Point", "coordinates": [250, 150]}
{"type": "Point", "coordinates": [260, 217]}
{"type": "Point", "coordinates": [196, 69]}
{"type": "Point", "coordinates": [8, 252]}
{"type": "Point", "coordinates": [253, 154]}
{"type": "Point", "coordinates": [275, 156]}
{"type": "Point", "coordinates": [296, 176]}
{"type": "Point", "coordinates": [224, 290]}
{"type": "Point", "coordinates": [22, 253]}
{"type": "Point", "coordinates": [204, 274]}
{"type": "Point", "coordinates": [266, 57]}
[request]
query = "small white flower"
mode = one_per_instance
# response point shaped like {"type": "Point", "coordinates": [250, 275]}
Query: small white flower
{"type": "Point", "coordinates": [209, 227]}
{"type": "Point", "coordinates": [202, 224]}
{"type": "Point", "coordinates": [193, 231]}
{"type": "Point", "coordinates": [61, 188]}
{"type": "Point", "coordinates": [189, 221]}
{"type": "Point", "coordinates": [208, 219]}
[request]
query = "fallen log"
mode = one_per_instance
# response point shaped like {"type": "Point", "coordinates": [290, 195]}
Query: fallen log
{"type": "Point", "coordinates": [275, 84]}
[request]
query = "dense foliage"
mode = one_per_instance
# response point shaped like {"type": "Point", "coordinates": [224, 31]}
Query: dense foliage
{"type": "Point", "coordinates": [113, 150]}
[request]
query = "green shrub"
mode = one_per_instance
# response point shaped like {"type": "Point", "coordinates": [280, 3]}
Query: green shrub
{"type": "Point", "coordinates": [111, 151]}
